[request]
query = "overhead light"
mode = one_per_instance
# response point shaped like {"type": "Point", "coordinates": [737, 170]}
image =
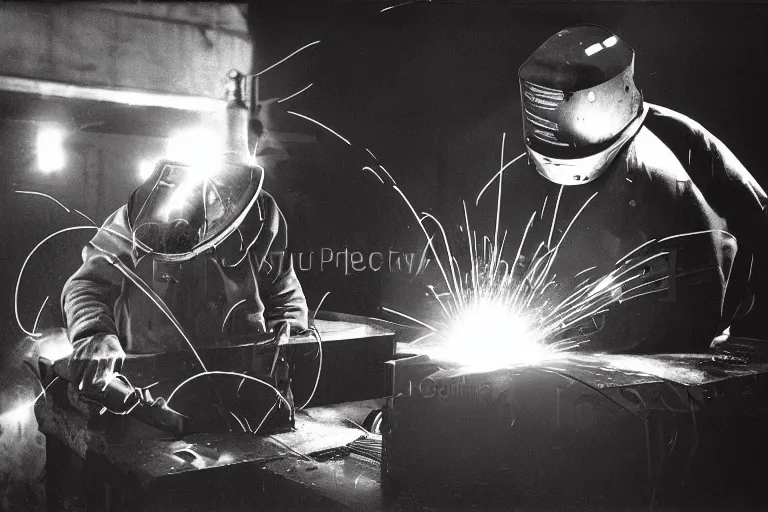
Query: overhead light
{"type": "Point", "coordinates": [593, 49]}
{"type": "Point", "coordinates": [50, 149]}
{"type": "Point", "coordinates": [146, 168]}
{"type": "Point", "coordinates": [199, 148]}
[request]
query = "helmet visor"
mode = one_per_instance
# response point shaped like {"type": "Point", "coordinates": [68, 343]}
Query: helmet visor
{"type": "Point", "coordinates": [182, 211]}
{"type": "Point", "coordinates": [576, 171]}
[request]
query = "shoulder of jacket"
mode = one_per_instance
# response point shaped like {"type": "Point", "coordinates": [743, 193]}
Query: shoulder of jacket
{"type": "Point", "coordinates": [667, 124]}
{"type": "Point", "coordinates": [117, 223]}
{"type": "Point", "coordinates": [656, 160]}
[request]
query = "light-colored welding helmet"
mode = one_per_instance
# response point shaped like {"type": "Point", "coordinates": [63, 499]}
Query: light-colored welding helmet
{"type": "Point", "coordinates": [183, 210]}
{"type": "Point", "coordinates": [579, 102]}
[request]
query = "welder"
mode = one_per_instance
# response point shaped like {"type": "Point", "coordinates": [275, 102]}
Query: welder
{"type": "Point", "coordinates": [207, 241]}
{"type": "Point", "coordinates": [661, 180]}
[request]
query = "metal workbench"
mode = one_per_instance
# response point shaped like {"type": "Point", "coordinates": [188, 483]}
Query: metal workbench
{"type": "Point", "coordinates": [678, 431]}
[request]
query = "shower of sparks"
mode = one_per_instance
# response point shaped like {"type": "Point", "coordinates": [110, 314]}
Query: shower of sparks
{"type": "Point", "coordinates": [285, 58]}
{"type": "Point", "coordinates": [496, 314]}
{"type": "Point", "coordinates": [318, 123]}
{"type": "Point", "coordinates": [295, 94]}
{"type": "Point", "coordinates": [490, 313]}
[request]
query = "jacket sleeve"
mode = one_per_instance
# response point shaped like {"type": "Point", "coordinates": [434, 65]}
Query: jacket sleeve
{"type": "Point", "coordinates": [731, 191]}
{"type": "Point", "coordinates": [279, 287]}
{"type": "Point", "coordinates": [89, 296]}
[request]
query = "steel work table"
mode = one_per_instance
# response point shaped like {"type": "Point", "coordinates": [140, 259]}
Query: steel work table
{"type": "Point", "coordinates": [713, 409]}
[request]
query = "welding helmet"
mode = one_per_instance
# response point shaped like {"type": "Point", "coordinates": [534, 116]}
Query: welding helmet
{"type": "Point", "coordinates": [579, 102]}
{"type": "Point", "coordinates": [183, 210]}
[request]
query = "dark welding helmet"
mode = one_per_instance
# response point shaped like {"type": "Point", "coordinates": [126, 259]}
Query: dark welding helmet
{"type": "Point", "coordinates": [580, 104]}
{"type": "Point", "coordinates": [183, 210]}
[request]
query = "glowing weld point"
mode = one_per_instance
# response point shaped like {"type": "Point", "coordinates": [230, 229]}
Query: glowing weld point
{"type": "Point", "coordinates": [489, 335]}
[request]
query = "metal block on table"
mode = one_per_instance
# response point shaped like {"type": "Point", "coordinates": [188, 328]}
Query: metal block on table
{"type": "Point", "coordinates": [147, 470]}
{"type": "Point", "coordinates": [587, 430]}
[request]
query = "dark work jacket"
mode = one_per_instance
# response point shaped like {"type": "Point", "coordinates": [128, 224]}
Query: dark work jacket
{"type": "Point", "coordinates": [244, 286]}
{"type": "Point", "coordinates": [673, 177]}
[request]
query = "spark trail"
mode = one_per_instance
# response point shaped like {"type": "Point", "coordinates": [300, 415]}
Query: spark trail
{"type": "Point", "coordinates": [509, 313]}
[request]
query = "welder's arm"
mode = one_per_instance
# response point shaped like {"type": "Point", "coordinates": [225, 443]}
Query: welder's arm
{"type": "Point", "coordinates": [279, 287]}
{"type": "Point", "coordinates": [738, 197]}
{"type": "Point", "coordinates": [88, 301]}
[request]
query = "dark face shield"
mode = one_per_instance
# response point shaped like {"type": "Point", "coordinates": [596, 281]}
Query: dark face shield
{"type": "Point", "coordinates": [579, 102]}
{"type": "Point", "coordinates": [183, 210]}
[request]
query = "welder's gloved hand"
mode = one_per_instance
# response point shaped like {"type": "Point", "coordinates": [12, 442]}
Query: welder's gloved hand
{"type": "Point", "coordinates": [94, 361]}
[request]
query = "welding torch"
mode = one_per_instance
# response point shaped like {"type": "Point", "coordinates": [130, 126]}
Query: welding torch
{"type": "Point", "coordinates": [120, 397]}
